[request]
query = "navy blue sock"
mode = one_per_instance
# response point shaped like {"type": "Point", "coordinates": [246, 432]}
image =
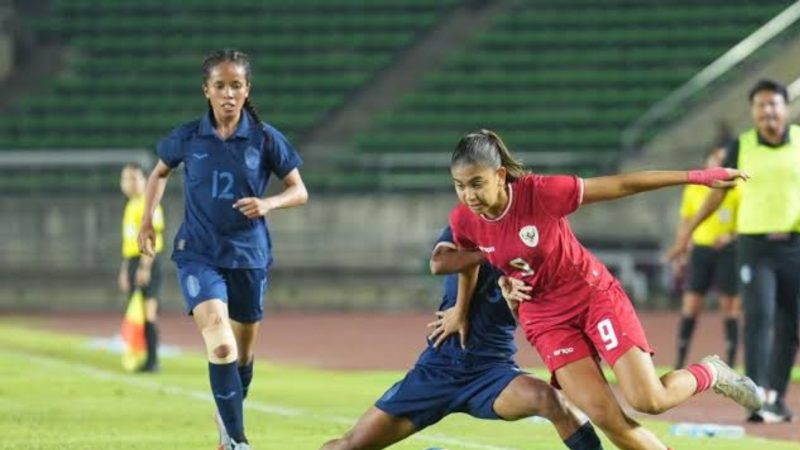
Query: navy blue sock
{"type": "Point", "coordinates": [227, 389]}
{"type": "Point", "coordinates": [731, 340]}
{"type": "Point", "coordinates": [685, 331]}
{"type": "Point", "coordinates": [584, 439]}
{"type": "Point", "coordinates": [246, 375]}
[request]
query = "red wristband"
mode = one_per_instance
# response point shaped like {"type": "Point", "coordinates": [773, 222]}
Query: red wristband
{"type": "Point", "coordinates": [708, 176]}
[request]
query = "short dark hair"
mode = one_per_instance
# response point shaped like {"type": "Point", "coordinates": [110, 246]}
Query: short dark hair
{"type": "Point", "coordinates": [769, 85]}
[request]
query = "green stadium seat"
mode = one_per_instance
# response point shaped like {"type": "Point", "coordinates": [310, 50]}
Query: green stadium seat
{"type": "Point", "coordinates": [133, 74]}
{"type": "Point", "coordinates": [565, 77]}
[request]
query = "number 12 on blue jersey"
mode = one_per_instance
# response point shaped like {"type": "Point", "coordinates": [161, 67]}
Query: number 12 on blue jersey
{"type": "Point", "coordinates": [223, 180]}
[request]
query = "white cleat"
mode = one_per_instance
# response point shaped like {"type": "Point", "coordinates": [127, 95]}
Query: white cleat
{"type": "Point", "coordinates": [225, 442]}
{"type": "Point", "coordinates": [240, 445]}
{"type": "Point", "coordinates": [738, 388]}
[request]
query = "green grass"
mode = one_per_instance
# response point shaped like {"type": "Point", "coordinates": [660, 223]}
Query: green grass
{"type": "Point", "coordinates": [55, 393]}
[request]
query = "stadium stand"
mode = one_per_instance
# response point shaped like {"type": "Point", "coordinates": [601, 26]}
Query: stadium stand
{"type": "Point", "coordinates": [132, 74]}
{"type": "Point", "coordinates": [566, 76]}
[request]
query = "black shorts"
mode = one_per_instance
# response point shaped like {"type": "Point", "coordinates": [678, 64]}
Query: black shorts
{"type": "Point", "coordinates": [709, 267]}
{"type": "Point", "coordinates": [153, 288]}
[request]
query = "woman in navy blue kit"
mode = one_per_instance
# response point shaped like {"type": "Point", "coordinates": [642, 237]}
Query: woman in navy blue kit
{"type": "Point", "coordinates": [467, 372]}
{"type": "Point", "coordinates": [222, 249]}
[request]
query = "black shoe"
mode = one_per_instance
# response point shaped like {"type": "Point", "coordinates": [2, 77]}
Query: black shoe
{"type": "Point", "coordinates": [777, 412]}
{"type": "Point", "coordinates": [151, 368]}
{"type": "Point", "coordinates": [756, 416]}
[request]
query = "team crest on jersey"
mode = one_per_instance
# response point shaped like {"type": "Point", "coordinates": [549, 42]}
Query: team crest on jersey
{"type": "Point", "coordinates": [529, 235]}
{"type": "Point", "coordinates": [251, 158]}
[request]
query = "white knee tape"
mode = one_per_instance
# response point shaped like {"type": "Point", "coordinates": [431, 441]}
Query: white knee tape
{"type": "Point", "coordinates": [219, 339]}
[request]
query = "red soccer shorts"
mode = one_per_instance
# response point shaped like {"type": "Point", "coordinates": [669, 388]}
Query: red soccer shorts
{"type": "Point", "coordinates": [601, 322]}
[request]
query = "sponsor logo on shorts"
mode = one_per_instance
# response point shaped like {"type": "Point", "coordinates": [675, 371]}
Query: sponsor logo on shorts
{"type": "Point", "coordinates": [563, 351]}
{"type": "Point", "coordinates": [529, 235]}
{"type": "Point", "coordinates": [192, 286]}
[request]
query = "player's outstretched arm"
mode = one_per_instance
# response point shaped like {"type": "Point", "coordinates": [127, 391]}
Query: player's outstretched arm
{"type": "Point", "coordinates": [611, 187]}
{"type": "Point", "coordinates": [153, 192]}
{"type": "Point", "coordinates": [446, 259]}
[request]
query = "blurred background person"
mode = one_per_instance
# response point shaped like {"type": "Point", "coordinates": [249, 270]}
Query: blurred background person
{"type": "Point", "coordinates": [712, 263]}
{"type": "Point", "coordinates": [139, 271]}
{"type": "Point", "coordinates": [768, 226]}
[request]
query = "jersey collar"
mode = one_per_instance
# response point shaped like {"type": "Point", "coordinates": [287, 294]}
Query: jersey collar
{"type": "Point", "coordinates": [508, 206]}
{"type": "Point", "coordinates": [786, 139]}
{"type": "Point", "coordinates": [242, 129]}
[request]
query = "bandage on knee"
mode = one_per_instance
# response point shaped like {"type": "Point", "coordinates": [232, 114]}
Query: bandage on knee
{"type": "Point", "coordinates": [220, 344]}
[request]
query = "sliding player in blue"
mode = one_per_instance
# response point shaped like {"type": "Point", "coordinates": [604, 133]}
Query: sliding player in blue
{"type": "Point", "coordinates": [472, 373]}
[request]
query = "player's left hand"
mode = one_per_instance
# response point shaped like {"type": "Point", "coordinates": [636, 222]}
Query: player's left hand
{"type": "Point", "coordinates": [717, 177]}
{"type": "Point", "coordinates": [253, 207]}
{"type": "Point", "coordinates": [449, 322]}
{"type": "Point", "coordinates": [514, 290]}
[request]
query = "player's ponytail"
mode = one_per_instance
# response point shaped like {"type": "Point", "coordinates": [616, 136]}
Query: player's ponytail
{"type": "Point", "coordinates": [250, 108]}
{"type": "Point", "coordinates": [485, 147]}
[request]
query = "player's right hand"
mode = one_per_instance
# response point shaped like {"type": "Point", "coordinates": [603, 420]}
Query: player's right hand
{"type": "Point", "coordinates": [717, 177]}
{"type": "Point", "coordinates": [447, 323]}
{"type": "Point", "coordinates": [679, 248]}
{"type": "Point", "coordinates": [147, 240]}
{"type": "Point", "coordinates": [514, 290]}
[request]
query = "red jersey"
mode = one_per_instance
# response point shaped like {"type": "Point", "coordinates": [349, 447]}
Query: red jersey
{"type": "Point", "coordinates": [532, 241]}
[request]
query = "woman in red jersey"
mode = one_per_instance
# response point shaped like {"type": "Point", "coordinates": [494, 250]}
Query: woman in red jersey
{"type": "Point", "coordinates": [573, 309]}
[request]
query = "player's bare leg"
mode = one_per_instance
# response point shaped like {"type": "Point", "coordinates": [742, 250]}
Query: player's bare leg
{"type": "Point", "coordinates": [644, 390]}
{"type": "Point", "coordinates": [211, 317]}
{"type": "Point", "coordinates": [375, 430]}
{"type": "Point", "coordinates": [648, 393]}
{"type": "Point", "coordinates": [245, 335]}
{"type": "Point", "coordinates": [151, 309]}
{"type": "Point", "coordinates": [527, 396]}
{"type": "Point", "coordinates": [585, 386]}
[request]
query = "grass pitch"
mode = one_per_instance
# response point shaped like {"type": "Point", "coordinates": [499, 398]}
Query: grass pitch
{"type": "Point", "coordinates": [56, 393]}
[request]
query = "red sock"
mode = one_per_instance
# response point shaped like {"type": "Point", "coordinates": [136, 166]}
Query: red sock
{"type": "Point", "coordinates": [703, 375]}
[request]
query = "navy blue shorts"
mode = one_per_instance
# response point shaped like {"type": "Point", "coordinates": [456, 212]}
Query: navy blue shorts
{"type": "Point", "coordinates": [242, 289]}
{"type": "Point", "coordinates": [429, 393]}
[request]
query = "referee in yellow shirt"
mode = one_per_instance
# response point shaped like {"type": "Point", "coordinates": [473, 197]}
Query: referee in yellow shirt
{"type": "Point", "coordinates": [712, 262]}
{"type": "Point", "coordinates": [140, 271]}
{"type": "Point", "coordinates": [768, 244]}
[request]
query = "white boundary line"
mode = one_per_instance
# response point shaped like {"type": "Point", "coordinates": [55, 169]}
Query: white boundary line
{"type": "Point", "coordinates": [250, 405]}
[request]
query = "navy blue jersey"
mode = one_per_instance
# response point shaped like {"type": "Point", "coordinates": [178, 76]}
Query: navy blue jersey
{"type": "Point", "coordinates": [491, 324]}
{"type": "Point", "coordinates": [216, 174]}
